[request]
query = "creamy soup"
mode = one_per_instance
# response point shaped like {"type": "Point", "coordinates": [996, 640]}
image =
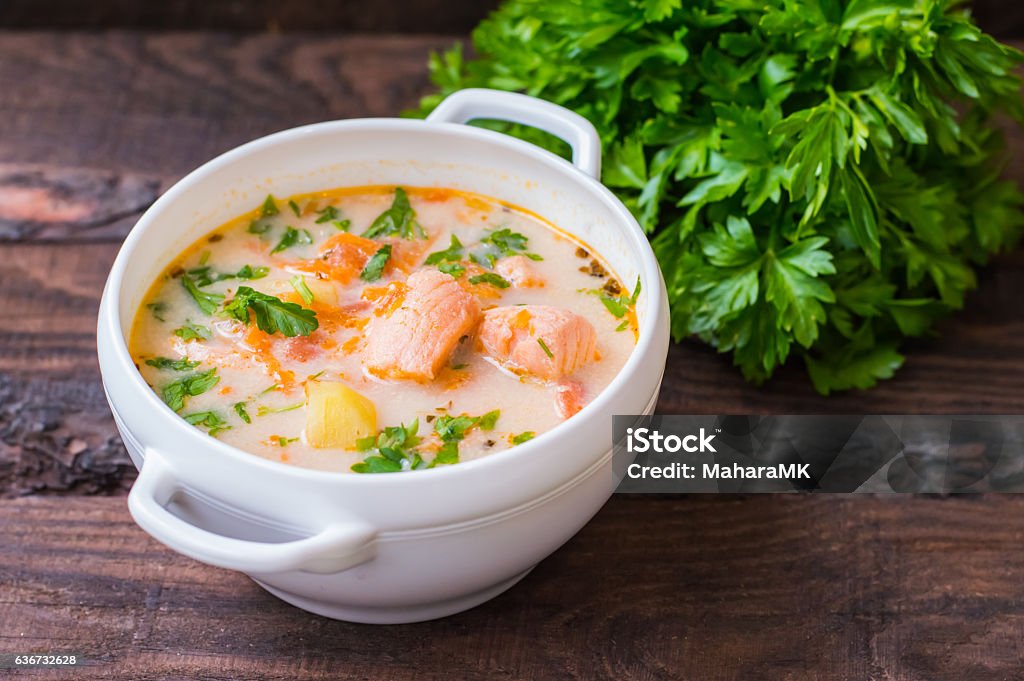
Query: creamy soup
{"type": "Point", "coordinates": [381, 329]}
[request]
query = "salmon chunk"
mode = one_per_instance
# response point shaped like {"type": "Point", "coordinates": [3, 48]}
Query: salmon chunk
{"type": "Point", "coordinates": [546, 342]}
{"type": "Point", "coordinates": [568, 398]}
{"type": "Point", "coordinates": [344, 255]}
{"type": "Point", "coordinates": [415, 338]}
{"type": "Point", "coordinates": [518, 271]}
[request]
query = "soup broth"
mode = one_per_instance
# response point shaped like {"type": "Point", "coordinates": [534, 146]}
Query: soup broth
{"type": "Point", "coordinates": [382, 329]}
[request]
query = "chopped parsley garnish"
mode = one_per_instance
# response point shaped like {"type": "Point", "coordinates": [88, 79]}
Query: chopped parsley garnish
{"type": "Point", "coordinates": [395, 450]}
{"type": "Point", "coordinates": [398, 220]}
{"type": "Point", "coordinates": [452, 268]}
{"type": "Point", "coordinates": [269, 207]}
{"type": "Point", "coordinates": [491, 278]}
{"type": "Point", "coordinates": [248, 272]}
{"type": "Point", "coordinates": [210, 419]}
{"type": "Point", "coordinates": [523, 437]}
{"type": "Point", "coordinates": [623, 326]}
{"type": "Point", "coordinates": [545, 348]}
{"type": "Point", "coordinates": [615, 306]}
{"type": "Point", "coordinates": [204, 258]}
{"type": "Point", "coordinates": [282, 441]}
{"type": "Point", "coordinates": [292, 237]}
{"type": "Point", "coordinates": [453, 428]}
{"type": "Point", "coordinates": [375, 265]}
{"type": "Point", "coordinates": [190, 331]}
{"type": "Point", "coordinates": [239, 408]}
{"type": "Point", "coordinates": [207, 302]}
{"type": "Point", "coordinates": [330, 214]}
{"type": "Point", "coordinates": [263, 410]}
{"type": "Point", "coordinates": [276, 386]}
{"type": "Point", "coordinates": [451, 254]}
{"type": "Point", "coordinates": [447, 455]}
{"type": "Point", "coordinates": [175, 393]}
{"type": "Point", "coordinates": [158, 308]}
{"type": "Point", "coordinates": [272, 313]}
{"type": "Point", "coordinates": [183, 364]}
{"type": "Point", "coordinates": [259, 226]}
{"type": "Point", "coordinates": [299, 284]}
{"type": "Point", "coordinates": [501, 243]}
{"type": "Point", "coordinates": [295, 208]}
{"type": "Point", "coordinates": [620, 305]}
{"type": "Point", "coordinates": [327, 215]}
{"type": "Point", "coordinates": [204, 276]}
{"type": "Point", "coordinates": [488, 420]}
{"type": "Point", "coordinates": [459, 367]}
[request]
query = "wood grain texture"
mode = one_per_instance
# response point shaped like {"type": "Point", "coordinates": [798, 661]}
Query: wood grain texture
{"type": "Point", "coordinates": [796, 587]}
{"type": "Point", "coordinates": [123, 115]}
{"type": "Point", "coordinates": [709, 588]}
{"type": "Point", "coordinates": [1004, 18]}
{"type": "Point", "coordinates": [364, 16]}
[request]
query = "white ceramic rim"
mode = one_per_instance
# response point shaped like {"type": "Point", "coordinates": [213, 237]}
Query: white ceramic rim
{"type": "Point", "coordinates": [649, 272]}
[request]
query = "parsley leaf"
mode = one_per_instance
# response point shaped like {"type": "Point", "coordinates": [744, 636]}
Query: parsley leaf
{"type": "Point", "coordinates": [263, 410]}
{"type": "Point", "coordinates": [491, 278]}
{"type": "Point", "coordinates": [523, 437]}
{"type": "Point", "coordinates": [292, 237]}
{"type": "Point", "coordinates": [501, 243]}
{"type": "Point", "coordinates": [452, 268]}
{"type": "Point", "coordinates": [299, 284]}
{"type": "Point", "coordinates": [247, 272]}
{"type": "Point", "coordinates": [269, 207]}
{"type": "Point", "coordinates": [398, 220]}
{"type": "Point", "coordinates": [190, 331]}
{"type": "Point", "coordinates": [213, 421]}
{"type": "Point", "coordinates": [204, 276]}
{"type": "Point", "coordinates": [177, 392]}
{"type": "Point", "coordinates": [615, 306]}
{"type": "Point", "coordinates": [451, 254]}
{"type": "Point", "coordinates": [327, 214]}
{"type": "Point", "coordinates": [453, 428]}
{"type": "Point", "coordinates": [158, 308]}
{"type": "Point", "coordinates": [272, 314]}
{"type": "Point", "coordinates": [239, 408]}
{"type": "Point", "coordinates": [395, 450]}
{"type": "Point", "coordinates": [259, 226]}
{"type": "Point", "coordinates": [375, 265]}
{"type": "Point", "coordinates": [207, 302]}
{"type": "Point", "coordinates": [183, 364]}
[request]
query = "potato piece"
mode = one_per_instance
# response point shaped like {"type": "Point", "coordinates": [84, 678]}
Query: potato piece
{"type": "Point", "coordinates": [336, 415]}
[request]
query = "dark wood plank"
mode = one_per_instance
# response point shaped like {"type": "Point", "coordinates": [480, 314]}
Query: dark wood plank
{"type": "Point", "coordinates": [123, 115]}
{"type": "Point", "coordinates": [364, 16]}
{"type": "Point", "coordinates": [794, 587]}
{"type": "Point", "coordinates": [1004, 18]}
{"type": "Point", "coordinates": [56, 433]}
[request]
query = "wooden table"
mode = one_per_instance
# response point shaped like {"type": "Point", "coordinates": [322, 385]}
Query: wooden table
{"type": "Point", "coordinates": [94, 125]}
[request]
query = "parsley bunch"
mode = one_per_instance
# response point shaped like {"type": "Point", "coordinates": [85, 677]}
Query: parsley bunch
{"type": "Point", "coordinates": [820, 178]}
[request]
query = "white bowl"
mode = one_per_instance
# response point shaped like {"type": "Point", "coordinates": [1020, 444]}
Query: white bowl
{"type": "Point", "coordinates": [397, 547]}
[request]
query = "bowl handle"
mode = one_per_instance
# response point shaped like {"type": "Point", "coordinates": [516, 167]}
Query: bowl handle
{"type": "Point", "coordinates": [472, 103]}
{"type": "Point", "coordinates": [335, 548]}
